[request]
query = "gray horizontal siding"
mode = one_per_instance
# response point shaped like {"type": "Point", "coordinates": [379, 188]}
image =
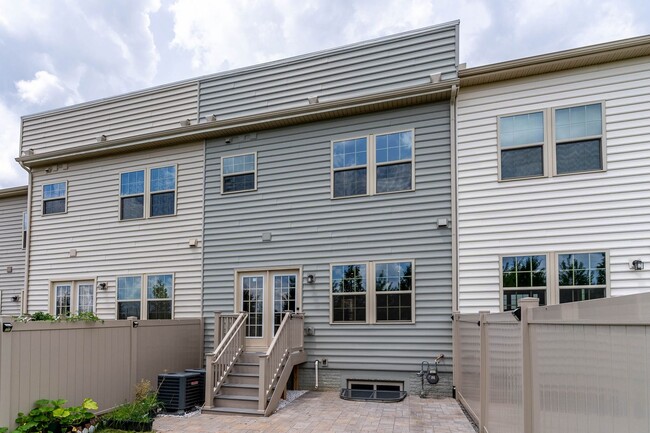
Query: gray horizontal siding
{"type": "Point", "coordinates": [392, 63]}
{"type": "Point", "coordinates": [11, 252]}
{"type": "Point", "coordinates": [124, 116]}
{"type": "Point", "coordinates": [311, 230]}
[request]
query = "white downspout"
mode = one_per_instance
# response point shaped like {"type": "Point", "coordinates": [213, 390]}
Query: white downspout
{"type": "Point", "coordinates": [316, 364]}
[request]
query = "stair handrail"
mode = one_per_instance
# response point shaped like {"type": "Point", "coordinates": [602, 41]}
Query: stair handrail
{"type": "Point", "coordinates": [288, 338]}
{"type": "Point", "coordinates": [219, 363]}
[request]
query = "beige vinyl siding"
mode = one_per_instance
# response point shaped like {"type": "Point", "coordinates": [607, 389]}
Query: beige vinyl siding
{"type": "Point", "coordinates": [605, 211]}
{"type": "Point", "coordinates": [133, 114]}
{"type": "Point", "coordinates": [11, 251]}
{"type": "Point", "coordinates": [108, 248]}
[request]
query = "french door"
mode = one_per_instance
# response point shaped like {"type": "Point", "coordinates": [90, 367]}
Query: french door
{"type": "Point", "coordinates": [265, 296]}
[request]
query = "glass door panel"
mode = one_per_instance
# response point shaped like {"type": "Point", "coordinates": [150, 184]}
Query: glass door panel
{"type": "Point", "coordinates": [253, 304]}
{"type": "Point", "coordinates": [284, 297]}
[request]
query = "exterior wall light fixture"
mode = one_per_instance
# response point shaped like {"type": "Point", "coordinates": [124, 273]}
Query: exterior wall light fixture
{"type": "Point", "coordinates": [310, 279]}
{"type": "Point", "coordinates": [637, 265]}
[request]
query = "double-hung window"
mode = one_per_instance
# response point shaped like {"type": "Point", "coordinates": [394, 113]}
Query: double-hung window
{"type": "Point", "coordinates": [349, 292]}
{"type": "Point", "coordinates": [54, 198]}
{"type": "Point", "coordinates": [162, 191]}
{"type": "Point", "coordinates": [73, 297]}
{"type": "Point", "coordinates": [394, 159]}
{"type": "Point", "coordinates": [350, 167]}
{"type": "Point", "coordinates": [582, 276]}
{"type": "Point", "coordinates": [375, 164]}
{"type": "Point", "coordinates": [239, 173]}
{"type": "Point", "coordinates": [578, 139]}
{"type": "Point", "coordinates": [372, 292]}
{"type": "Point", "coordinates": [132, 195]}
{"type": "Point", "coordinates": [571, 137]}
{"type": "Point", "coordinates": [523, 277]}
{"type": "Point", "coordinates": [156, 297]}
{"type": "Point", "coordinates": [160, 188]}
{"type": "Point", "coordinates": [521, 141]}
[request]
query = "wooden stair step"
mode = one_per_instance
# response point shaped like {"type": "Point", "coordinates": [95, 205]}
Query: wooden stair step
{"type": "Point", "coordinates": [221, 396]}
{"type": "Point", "coordinates": [232, 411]}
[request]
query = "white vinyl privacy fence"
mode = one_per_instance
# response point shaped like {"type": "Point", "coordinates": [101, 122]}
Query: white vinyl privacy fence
{"type": "Point", "coordinates": [579, 367]}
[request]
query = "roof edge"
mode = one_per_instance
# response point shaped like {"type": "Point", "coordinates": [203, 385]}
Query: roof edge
{"type": "Point", "coordinates": [217, 128]}
{"type": "Point", "coordinates": [13, 191]}
{"type": "Point", "coordinates": [528, 64]}
{"type": "Point", "coordinates": [261, 66]}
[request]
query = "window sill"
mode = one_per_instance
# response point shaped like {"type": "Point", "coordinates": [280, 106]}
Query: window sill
{"type": "Point", "coordinates": [238, 192]}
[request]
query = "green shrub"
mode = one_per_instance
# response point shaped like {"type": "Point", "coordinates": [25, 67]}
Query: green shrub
{"type": "Point", "coordinates": [49, 416]}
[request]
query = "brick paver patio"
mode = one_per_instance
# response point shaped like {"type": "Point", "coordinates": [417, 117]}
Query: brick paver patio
{"type": "Point", "coordinates": [325, 412]}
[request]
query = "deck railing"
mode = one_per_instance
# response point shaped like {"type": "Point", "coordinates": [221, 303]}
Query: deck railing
{"type": "Point", "coordinates": [219, 363]}
{"type": "Point", "coordinates": [288, 339]}
{"type": "Point", "coordinates": [222, 324]}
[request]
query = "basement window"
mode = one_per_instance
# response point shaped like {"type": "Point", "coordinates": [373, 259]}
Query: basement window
{"type": "Point", "coordinates": [374, 391]}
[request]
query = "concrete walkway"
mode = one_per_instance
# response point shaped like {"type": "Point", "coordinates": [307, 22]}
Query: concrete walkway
{"type": "Point", "coordinates": [325, 412]}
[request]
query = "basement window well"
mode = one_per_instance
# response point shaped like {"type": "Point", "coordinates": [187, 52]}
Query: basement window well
{"type": "Point", "coordinates": [386, 392]}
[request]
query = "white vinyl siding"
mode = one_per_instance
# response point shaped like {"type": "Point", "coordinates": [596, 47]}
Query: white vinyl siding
{"type": "Point", "coordinates": [596, 211]}
{"type": "Point", "coordinates": [107, 247]}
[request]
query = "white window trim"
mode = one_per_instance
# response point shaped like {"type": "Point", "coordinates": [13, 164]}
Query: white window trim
{"type": "Point", "coordinates": [143, 294]}
{"type": "Point", "coordinates": [371, 164]}
{"type": "Point", "coordinates": [549, 146]}
{"type": "Point", "coordinates": [254, 173]}
{"type": "Point", "coordinates": [74, 293]}
{"type": "Point", "coordinates": [371, 293]}
{"type": "Point", "coordinates": [43, 199]}
{"type": "Point", "coordinates": [552, 272]}
{"type": "Point", "coordinates": [146, 211]}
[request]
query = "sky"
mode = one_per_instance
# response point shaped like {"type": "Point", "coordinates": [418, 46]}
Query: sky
{"type": "Point", "coordinates": [63, 52]}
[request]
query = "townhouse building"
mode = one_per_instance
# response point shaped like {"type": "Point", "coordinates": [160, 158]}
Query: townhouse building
{"type": "Point", "coordinates": [320, 184]}
{"type": "Point", "coordinates": [552, 159]}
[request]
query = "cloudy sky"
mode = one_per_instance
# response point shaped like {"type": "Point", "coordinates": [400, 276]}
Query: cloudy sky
{"type": "Point", "coordinates": [58, 53]}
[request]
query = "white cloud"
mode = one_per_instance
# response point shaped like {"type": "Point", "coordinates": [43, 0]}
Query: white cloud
{"type": "Point", "coordinates": [11, 174]}
{"type": "Point", "coordinates": [44, 88]}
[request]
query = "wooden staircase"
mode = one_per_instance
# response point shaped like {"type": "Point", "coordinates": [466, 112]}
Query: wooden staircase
{"type": "Point", "coordinates": [251, 383]}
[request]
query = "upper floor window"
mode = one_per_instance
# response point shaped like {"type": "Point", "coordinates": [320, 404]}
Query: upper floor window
{"type": "Point", "coordinates": [578, 139]}
{"type": "Point", "coordinates": [394, 159]}
{"type": "Point", "coordinates": [54, 198]}
{"type": "Point", "coordinates": [521, 140]}
{"type": "Point", "coordinates": [374, 164]}
{"type": "Point", "coordinates": [239, 173]}
{"type": "Point", "coordinates": [161, 192]}
{"type": "Point", "coordinates": [162, 189]}
{"type": "Point", "coordinates": [350, 167]}
{"type": "Point", "coordinates": [575, 146]}
{"type": "Point", "coordinates": [132, 195]}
